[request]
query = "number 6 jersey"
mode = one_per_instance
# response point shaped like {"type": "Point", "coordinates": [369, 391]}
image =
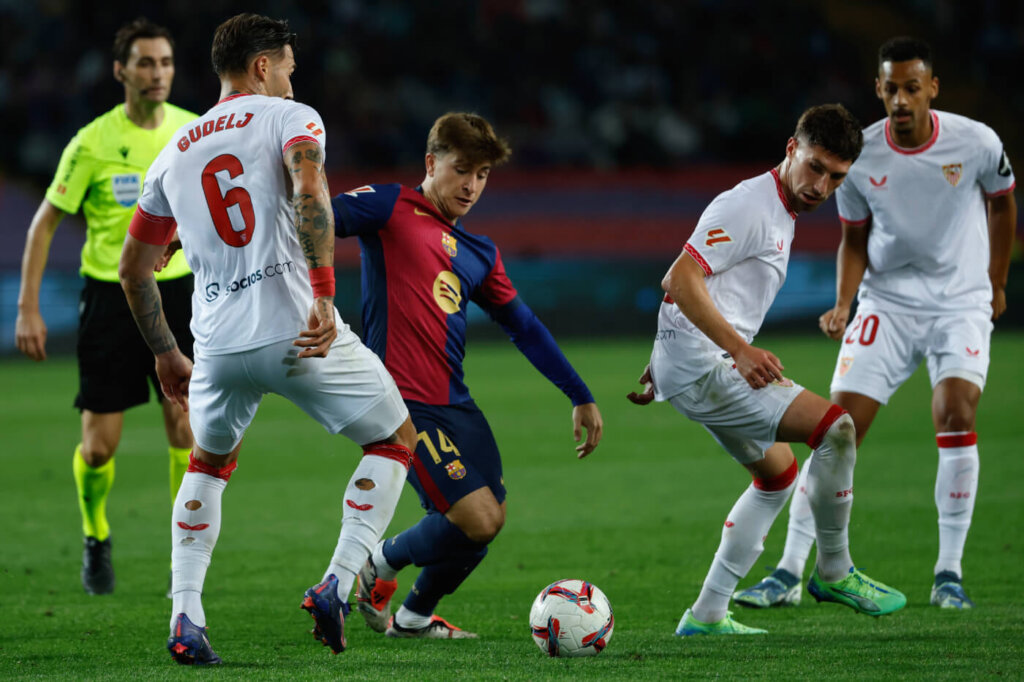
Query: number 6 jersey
{"type": "Point", "coordinates": [222, 182]}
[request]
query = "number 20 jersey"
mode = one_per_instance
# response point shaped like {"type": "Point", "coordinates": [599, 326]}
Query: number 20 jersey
{"type": "Point", "coordinates": [928, 243]}
{"type": "Point", "coordinates": [223, 180]}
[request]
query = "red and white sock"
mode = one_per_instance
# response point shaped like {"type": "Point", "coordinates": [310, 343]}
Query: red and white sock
{"type": "Point", "coordinates": [956, 486]}
{"type": "Point", "coordinates": [370, 500]}
{"type": "Point", "coordinates": [742, 542]}
{"type": "Point", "coordinates": [830, 491]}
{"type": "Point", "coordinates": [195, 525]}
{"type": "Point", "coordinates": [800, 534]}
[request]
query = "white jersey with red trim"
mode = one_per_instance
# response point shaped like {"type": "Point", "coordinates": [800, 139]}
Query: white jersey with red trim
{"type": "Point", "coordinates": [928, 243]}
{"type": "Point", "coordinates": [742, 242]}
{"type": "Point", "coordinates": [222, 179]}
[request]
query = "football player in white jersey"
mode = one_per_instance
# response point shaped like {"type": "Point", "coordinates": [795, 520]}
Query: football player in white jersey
{"type": "Point", "coordinates": [703, 363]}
{"type": "Point", "coordinates": [928, 216]}
{"type": "Point", "coordinates": [260, 239]}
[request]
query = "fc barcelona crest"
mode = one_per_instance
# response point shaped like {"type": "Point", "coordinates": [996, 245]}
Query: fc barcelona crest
{"type": "Point", "coordinates": [844, 366]}
{"type": "Point", "coordinates": [450, 244]}
{"type": "Point", "coordinates": [455, 470]}
{"type": "Point", "coordinates": [953, 172]}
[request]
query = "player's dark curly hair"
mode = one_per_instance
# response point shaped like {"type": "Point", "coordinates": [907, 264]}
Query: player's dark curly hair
{"type": "Point", "coordinates": [471, 136]}
{"type": "Point", "coordinates": [244, 37]}
{"type": "Point", "coordinates": [833, 128]}
{"type": "Point", "coordinates": [132, 31]}
{"type": "Point", "coordinates": [904, 49]}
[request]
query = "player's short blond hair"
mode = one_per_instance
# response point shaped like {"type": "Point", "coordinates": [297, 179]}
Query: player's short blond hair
{"type": "Point", "coordinates": [471, 136]}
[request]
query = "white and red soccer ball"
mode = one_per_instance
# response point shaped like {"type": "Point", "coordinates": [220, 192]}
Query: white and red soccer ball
{"type": "Point", "coordinates": [571, 618]}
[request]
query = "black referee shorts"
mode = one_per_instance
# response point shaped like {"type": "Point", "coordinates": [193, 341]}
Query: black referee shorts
{"type": "Point", "coordinates": [114, 362]}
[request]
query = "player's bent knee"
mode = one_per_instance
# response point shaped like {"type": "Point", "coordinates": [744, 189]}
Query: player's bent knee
{"type": "Point", "coordinates": [843, 430]}
{"type": "Point", "coordinates": [836, 428]}
{"type": "Point", "coordinates": [483, 525]}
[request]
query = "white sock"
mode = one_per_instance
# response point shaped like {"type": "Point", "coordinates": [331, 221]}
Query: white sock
{"type": "Point", "coordinates": [370, 500]}
{"type": "Point", "coordinates": [380, 562]}
{"type": "Point", "coordinates": [956, 486]}
{"type": "Point", "coordinates": [830, 493]}
{"type": "Point", "coordinates": [742, 542]}
{"type": "Point", "coordinates": [800, 533]}
{"type": "Point", "coordinates": [195, 525]}
{"type": "Point", "coordinates": [410, 620]}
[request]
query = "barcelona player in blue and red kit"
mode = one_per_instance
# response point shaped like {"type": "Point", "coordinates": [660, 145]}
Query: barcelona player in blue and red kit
{"type": "Point", "coordinates": [420, 270]}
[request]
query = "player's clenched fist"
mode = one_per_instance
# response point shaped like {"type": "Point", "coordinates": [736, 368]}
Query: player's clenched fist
{"type": "Point", "coordinates": [833, 322]}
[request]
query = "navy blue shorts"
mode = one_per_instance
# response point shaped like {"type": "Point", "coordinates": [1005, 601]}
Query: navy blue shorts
{"type": "Point", "coordinates": [455, 454]}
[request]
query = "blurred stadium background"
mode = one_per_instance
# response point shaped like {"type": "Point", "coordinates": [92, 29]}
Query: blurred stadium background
{"type": "Point", "coordinates": [626, 118]}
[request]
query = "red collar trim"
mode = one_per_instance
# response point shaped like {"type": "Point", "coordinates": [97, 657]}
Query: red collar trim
{"type": "Point", "coordinates": [782, 195]}
{"type": "Point", "coordinates": [915, 150]}
{"type": "Point", "coordinates": [231, 97]}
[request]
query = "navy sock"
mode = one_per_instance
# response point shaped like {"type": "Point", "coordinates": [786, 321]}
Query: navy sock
{"type": "Point", "coordinates": [439, 579]}
{"type": "Point", "coordinates": [434, 539]}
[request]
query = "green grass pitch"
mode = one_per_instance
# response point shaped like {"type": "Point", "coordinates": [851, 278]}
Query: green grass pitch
{"type": "Point", "coordinates": [640, 518]}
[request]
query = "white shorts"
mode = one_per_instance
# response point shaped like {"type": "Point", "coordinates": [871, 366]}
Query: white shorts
{"type": "Point", "coordinates": [348, 392]}
{"type": "Point", "coordinates": [743, 420]}
{"type": "Point", "coordinates": [881, 349]}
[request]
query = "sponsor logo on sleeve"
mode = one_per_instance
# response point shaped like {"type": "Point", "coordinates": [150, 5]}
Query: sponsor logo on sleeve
{"type": "Point", "coordinates": [314, 128]}
{"type": "Point", "coordinates": [717, 236]}
{"type": "Point", "coordinates": [126, 188]}
{"type": "Point", "coordinates": [953, 172]}
{"type": "Point", "coordinates": [1004, 165]}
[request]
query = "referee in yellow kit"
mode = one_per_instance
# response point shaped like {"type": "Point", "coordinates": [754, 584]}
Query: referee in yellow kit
{"type": "Point", "coordinates": [101, 171]}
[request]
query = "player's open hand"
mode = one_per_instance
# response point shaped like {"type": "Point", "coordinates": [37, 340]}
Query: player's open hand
{"type": "Point", "coordinates": [586, 416]}
{"type": "Point", "coordinates": [758, 366]}
{"type": "Point", "coordinates": [833, 322]}
{"type": "Point", "coordinates": [316, 341]}
{"type": "Point", "coordinates": [169, 251]}
{"type": "Point", "coordinates": [648, 395]}
{"type": "Point", "coordinates": [174, 370]}
{"type": "Point", "coordinates": [30, 335]}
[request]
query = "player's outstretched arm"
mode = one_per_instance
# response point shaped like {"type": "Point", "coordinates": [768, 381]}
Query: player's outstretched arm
{"type": "Point", "coordinates": [684, 283]}
{"type": "Point", "coordinates": [851, 262]}
{"type": "Point", "coordinates": [1002, 220]}
{"type": "Point", "coordinates": [314, 224]}
{"type": "Point", "coordinates": [29, 328]}
{"type": "Point", "coordinates": [534, 341]}
{"type": "Point", "coordinates": [588, 417]}
{"type": "Point", "coordinates": [135, 271]}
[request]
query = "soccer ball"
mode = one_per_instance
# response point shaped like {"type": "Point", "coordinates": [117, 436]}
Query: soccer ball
{"type": "Point", "coordinates": [571, 618]}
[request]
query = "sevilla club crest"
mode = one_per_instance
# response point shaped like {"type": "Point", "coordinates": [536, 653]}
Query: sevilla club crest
{"type": "Point", "coordinates": [844, 365]}
{"type": "Point", "coordinates": [953, 172]}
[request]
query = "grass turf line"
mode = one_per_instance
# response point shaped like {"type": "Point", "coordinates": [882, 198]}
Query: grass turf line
{"type": "Point", "coordinates": [640, 518]}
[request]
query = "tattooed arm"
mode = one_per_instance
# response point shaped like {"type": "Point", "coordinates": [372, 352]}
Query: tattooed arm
{"type": "Point", "coordinates": [140, 289]}
{"type": "Point", "coordinates": [314, 225]}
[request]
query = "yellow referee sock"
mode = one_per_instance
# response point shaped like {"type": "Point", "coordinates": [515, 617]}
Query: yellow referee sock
{"type": "Point", "coordinates": [93, 486]}
{"type": "Point", "coordinates": [179, 464]}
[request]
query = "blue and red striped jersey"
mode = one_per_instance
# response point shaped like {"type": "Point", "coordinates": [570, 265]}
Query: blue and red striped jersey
{"type": "Point", "coordinates": [419, 273]}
